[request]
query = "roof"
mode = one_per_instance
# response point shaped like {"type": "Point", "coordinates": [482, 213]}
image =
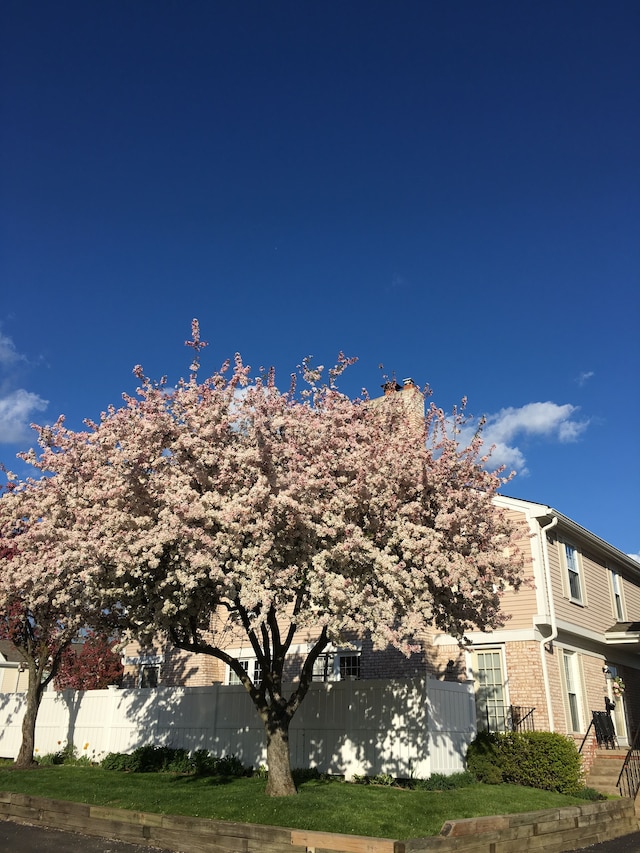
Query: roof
{"type": "Point", "coordinates": [543, 511]}
{"type": "Point", "coordinates": [623, 632]}
{"type": "Point", "coordinates": [10, 652]}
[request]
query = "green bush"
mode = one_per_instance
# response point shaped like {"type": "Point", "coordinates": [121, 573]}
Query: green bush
{"type": "Point", "coordinates": [166, 759]}
{"type": "Point", "coordinates": [544, 760]}
{"type": "Point", "coordinates": [484, 759]}
{"type": "Point", "coordinates": [118, 761]}
{"type": "Point", "coordinates": [67, 755]}
{"type": "Point", "coordinates": [590, 794]}
{"type": "Point", "coordinates": [306, 774]}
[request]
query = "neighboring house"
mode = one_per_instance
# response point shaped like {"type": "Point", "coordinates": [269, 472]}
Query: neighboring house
{"type": "Point", "coordinates": [571, 645]}
{"type": "Point", "coordinates": [572, 635]}
{"type": "Point", "coordinates": [14, 677]}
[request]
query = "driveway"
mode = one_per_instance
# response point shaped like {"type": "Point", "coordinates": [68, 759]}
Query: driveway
{"type": "Point", "coordinates": [20, 838]}
{"type": "Point", "coordinates": [625, 844]}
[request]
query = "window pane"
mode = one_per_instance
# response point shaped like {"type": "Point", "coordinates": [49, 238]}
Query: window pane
{"type": "Point", "coordinates": [322, 668]}
{"type": "Point", "coordinates": [349, 667]}
{"type": "Point", "coordinates": [572, 694]}
{"type": "Point", "coordinates": [149, 676]}
{"type": "Point", "coordinates": [617, 596]}
{"type": "Point", "coordinates": [573, 572]}
{"type": "Point", "coordinates": [233, 678]}
{"type": "Point", "coordinates": [490, 702]}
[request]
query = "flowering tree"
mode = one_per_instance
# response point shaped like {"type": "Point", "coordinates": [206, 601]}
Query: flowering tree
{"type": "Point", "coordinates": [297, 513]}
{"type": "Point", "coordinates": [93, 665]}
{"type": "Point", "coordinates": [42, 598]}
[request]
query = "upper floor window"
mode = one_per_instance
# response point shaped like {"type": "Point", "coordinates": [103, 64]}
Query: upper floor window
{"type": "Point", "coordinates": [333, 666]}
{"type": "Point", "coordinates": [149, 675]}
{"type": "Point", "coordinates": [251, 667]}
{"type": "Point", "coordinates": [616, 594]}
{"type": "Point", "coordinates": [574, 575]}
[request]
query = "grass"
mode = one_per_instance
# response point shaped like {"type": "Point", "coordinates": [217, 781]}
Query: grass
{"type": "Point", "coordinates": [329, 806]}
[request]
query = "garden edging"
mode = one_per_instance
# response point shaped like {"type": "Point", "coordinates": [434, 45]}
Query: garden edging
{"type": "Point", "coordinates": [550, 830]}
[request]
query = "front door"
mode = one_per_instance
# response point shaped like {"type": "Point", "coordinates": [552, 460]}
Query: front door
{"type": "Point", "coordinates": [619, 713]}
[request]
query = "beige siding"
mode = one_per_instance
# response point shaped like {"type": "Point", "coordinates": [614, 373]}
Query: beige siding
{"type": "Point", "coordinates": [520, 606]}
{"type": "Point", "coordinates": [597, 612]}
{"type": "Point", "coordinates": [12, 680]}
{"type": "Point", "coordinates": [631, 596]}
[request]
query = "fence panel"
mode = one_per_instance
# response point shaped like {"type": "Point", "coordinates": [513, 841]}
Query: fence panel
{"type": "Point", "coordinates": [412, 727]}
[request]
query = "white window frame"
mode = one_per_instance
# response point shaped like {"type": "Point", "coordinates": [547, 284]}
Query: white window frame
{"type": "Point", "coordinates": [617, 595]}
{"type": "Point", "coordinates": [332, 665]}
{"type": "Point", "coordinates": [573, 690]}
{"type": "Point", "coordinates": [497, 720]}
{"type": "Point", "coordinates": [251, 667]}
{"type": "Point", "coordinates": [573, 573]}
{"type": "Point", "coordinates": [149, 667]}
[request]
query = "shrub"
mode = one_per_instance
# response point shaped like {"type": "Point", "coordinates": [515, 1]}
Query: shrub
{"type": "Point", "coordinates": [166, 759]}
{"type": "Point", "coordinates": [544, 760]}
{"type": "Point", "coordinates": [66, 755]}
{"type": "Point", "coordinates": [484, 760]}
{"type": "Point", "coordinates": [306, 774]}
{"type": "Point", "coordinates": [117, 761]}
{"type": "Point", "coordinates": [590, 794]}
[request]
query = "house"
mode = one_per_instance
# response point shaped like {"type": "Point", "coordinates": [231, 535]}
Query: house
{"type": "Point", "coordinates": [14, 677]}
{"type": "Point", "coordinates": [570, 645]}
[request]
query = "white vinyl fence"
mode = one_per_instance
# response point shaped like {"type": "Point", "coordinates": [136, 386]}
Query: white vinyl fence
{"type": "Point", "coordinates": [405, 728]}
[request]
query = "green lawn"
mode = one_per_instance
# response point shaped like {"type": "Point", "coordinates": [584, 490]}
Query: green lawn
{"type": "Point", "coordinates": [329, 806]}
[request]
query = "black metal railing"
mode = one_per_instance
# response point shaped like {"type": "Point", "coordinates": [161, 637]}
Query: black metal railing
{"type": "Point", "coordinates": [510, 718]}
{"type": "Point", "coordinates": [629, 779]}
{"type": "Point", "coordinates": [521, 719]}
{"type": "Point", "coordinates": [604, 729]}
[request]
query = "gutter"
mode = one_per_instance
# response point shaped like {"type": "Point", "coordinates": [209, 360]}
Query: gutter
{"type": "Point", "coordinates": [544, 552]}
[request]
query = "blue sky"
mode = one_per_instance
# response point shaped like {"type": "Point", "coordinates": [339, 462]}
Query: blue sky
{"type": "Point", "coordinates": [449, 189]}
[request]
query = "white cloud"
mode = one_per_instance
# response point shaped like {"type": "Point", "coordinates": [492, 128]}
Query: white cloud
{"type": "Point", "coordinates": [542, 420]}
{"type": "Point", "coordinates": [16, 404]}
{"type": "Point", "coordinates": [584, 377]}
{"type": "Point", "coordinates": [634, 556]}
{"type": "Point", "coordinates": [16, 410]}
{"type": "Point", "coordinates": [8, 352]}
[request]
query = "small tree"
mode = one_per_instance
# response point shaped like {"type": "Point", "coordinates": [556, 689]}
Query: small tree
{"type": "Point", "coordinates": [93, 664]}
{"type": "Point", "coordinates": [42, 595]}
{"type": "Point", "coordinates": [299, 515]}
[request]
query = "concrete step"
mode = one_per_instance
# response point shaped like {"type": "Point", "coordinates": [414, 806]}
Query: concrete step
{"type": "Point", "coordinates": [605, 770]}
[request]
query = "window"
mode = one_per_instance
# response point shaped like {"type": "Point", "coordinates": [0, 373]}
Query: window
{"type": "Point", "coordinates": [572, 562]}
{"type": "Point", "coordinates": [149, 676]}
{"type": "Point", "coordinates": [323, 668]}
{"type": "Point", "coordinates": [336, 666]}
{"type": "Point", "coordinates": [349, 667]}
{"type": "Point", "coordinates": [572, 692]}
{"type": "Point", "coordinates": [490, 691]}
{"type": "Point", "coordinates": [251, 667]}
{"type": "Point", "coordinates": [616, 594]}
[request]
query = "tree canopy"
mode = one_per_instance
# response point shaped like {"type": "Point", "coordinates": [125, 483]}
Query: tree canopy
{"type": "Point", "coordinates": [290, 510]}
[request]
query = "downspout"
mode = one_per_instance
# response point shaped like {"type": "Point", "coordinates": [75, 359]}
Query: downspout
{"type": "Point", "coordinates": [552, 616]}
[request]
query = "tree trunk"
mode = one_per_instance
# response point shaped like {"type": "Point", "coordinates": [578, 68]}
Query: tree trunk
{"type": "Point", "coordinates": [25, 756]}
{"type": "Point", "coordinates": [280, 783]}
